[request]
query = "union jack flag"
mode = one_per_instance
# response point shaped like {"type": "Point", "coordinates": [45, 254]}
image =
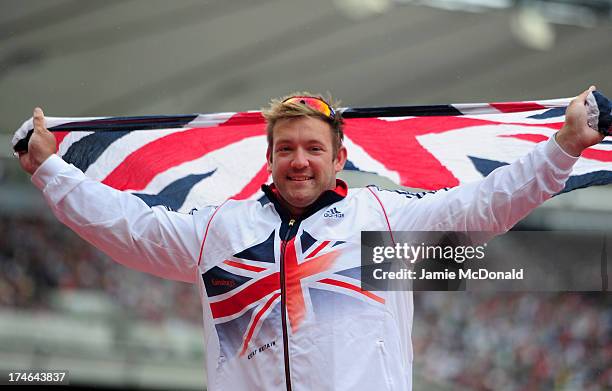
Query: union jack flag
{"type": "Point", "coordinates": [186, 161]}
{"type": "Point", "coordinates": [244, 291]}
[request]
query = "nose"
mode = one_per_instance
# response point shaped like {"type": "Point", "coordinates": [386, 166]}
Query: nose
{"type": "Point", "coordinates": [300, 160]}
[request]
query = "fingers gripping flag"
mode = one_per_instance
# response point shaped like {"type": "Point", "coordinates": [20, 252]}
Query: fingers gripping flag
{"type": "Point", "coordinates": [186, 161]}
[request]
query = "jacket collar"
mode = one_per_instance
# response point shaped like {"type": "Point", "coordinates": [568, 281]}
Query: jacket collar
{"type": "Point", "coordinates": [326, 198]}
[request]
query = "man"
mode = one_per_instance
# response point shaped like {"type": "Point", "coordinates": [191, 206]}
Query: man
{"type": "Point", "coordinates": [279, 280]}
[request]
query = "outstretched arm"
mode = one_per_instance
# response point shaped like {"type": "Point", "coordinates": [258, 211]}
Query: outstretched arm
{"type": "Point", "coordinates": [149, 239]}
{"type": "Point", "coordinates": [497, 202]}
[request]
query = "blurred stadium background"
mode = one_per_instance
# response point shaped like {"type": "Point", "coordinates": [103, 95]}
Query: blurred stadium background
{"type": "Point", "coordinates": [65, 305]}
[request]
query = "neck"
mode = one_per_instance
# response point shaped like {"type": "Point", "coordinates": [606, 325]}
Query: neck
{"type": "Point", "coordinates": [294, 211]}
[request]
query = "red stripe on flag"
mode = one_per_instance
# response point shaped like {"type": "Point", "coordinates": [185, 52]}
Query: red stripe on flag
{"type": "Point", "coordinates": [343, 284]}
{"type": "Point", "coordinates": [534, 138]}
{"type": "Point", "coordinates": [316, 250]}
{"type": "Point", "coordinates": [259, 314]}
{"type": "Point", "coordinates": [294, 297]}
{"type": "Point", "coordinates": [589, 153]}
{"type": "Point", "coordinates": [597, 154]}
{"type": "Point", "coordinates": [254, 184]}
{"type": "Point", "coordinates": [59, 137]}
{"type": "Point", "coordinates": [249, 295]}
{"type": "Point", "coordinates": [240, 119]}
{"type": "Point", "coordinates": [161, 154]}
{"type": "Point", "coordinates": [515, 107]}
{"type": "Point", "coordinates": [244, 266]}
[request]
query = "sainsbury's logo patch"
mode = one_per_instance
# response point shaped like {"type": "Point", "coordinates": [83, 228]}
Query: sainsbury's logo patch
{"type": "Point", "coordinates": [333, 213]}
{"type": "Point", "coordinates": [220, 282]}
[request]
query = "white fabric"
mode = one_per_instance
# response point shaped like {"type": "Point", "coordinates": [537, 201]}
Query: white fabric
{"type": "Point", "coordinates": [346, 341]}
{"type": "Point", "coordinates": [592, 112]}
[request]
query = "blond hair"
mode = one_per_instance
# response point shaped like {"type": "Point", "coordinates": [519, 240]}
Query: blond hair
{"type": "Point", "coordinates": [279, 110]}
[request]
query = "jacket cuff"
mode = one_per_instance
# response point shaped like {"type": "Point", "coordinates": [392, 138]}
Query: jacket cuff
{"type": "Point", "coordinates": [558, 157]}
{"type": "Point", "coordinates": [48, 170]}
{"type": "Point", "coordinates": [56, 178]}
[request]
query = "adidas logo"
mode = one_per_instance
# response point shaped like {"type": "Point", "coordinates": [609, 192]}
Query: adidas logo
{"type": "Point", "coordinates": [333, 212]}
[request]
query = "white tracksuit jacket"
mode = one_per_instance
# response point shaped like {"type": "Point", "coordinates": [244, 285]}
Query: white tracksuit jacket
{"type": "Point", "coordinates": [281, 300]}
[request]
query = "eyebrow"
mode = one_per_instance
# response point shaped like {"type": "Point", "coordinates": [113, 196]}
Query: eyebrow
{"type": "Point", "coordinates": [290, 141]}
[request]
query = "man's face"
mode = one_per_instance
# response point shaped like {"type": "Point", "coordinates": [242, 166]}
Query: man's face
{"type": "Point", "coordinates": [301, 161]}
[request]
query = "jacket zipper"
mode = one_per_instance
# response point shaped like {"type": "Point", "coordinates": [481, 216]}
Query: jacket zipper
{"type": "Point", "coordinates": [284, 306]}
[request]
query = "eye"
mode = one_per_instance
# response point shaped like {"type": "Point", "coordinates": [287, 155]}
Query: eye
{"type": "Point", "coordinates": [316, 148]}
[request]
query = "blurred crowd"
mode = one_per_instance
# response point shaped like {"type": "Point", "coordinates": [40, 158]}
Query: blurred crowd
{"type": "Point", "coordinates": [39, 256]}
{"type": "Point", "coordinates": [515, 341]}
{"type": "Point", "coordinates": [503, 341]}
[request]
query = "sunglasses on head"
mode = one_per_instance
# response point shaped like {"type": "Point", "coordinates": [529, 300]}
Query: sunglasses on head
{"type": "Point", "coordinates": [314, 103]}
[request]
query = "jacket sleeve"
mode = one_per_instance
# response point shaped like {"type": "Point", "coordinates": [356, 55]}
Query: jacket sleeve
{"type": "Point", "coordinates": [149, 239]}
{"type": "Point", "coordinates": [493, 204]}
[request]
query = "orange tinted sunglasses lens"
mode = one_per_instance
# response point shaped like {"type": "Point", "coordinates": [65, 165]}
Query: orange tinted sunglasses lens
{"type": "Point", "coordinates": [314, 103]}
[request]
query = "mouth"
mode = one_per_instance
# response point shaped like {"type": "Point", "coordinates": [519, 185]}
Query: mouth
{"type": "Point", "coordinates": [299, 178]}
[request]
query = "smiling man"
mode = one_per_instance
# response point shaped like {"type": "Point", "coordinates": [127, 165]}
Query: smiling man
{"type": "Point", "coordinates": [279, 278]}
{"type": "Point", "coordinates": [304, 137]}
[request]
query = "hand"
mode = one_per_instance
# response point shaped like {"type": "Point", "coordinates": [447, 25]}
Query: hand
{"type": "Point", "coordinates": [576, 135]}
{"type": "Point", "coordinates": [42, 144]}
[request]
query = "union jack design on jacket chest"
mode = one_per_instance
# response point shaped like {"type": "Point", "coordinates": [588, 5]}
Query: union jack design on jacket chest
{"type": "Point", "coordinates": [245, 290]}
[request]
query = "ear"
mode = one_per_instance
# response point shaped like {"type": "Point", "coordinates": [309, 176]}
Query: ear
{"type": "Point", "coordinates": [340, 159]}
{"type": "Point", "coordinates": [269, 160]}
